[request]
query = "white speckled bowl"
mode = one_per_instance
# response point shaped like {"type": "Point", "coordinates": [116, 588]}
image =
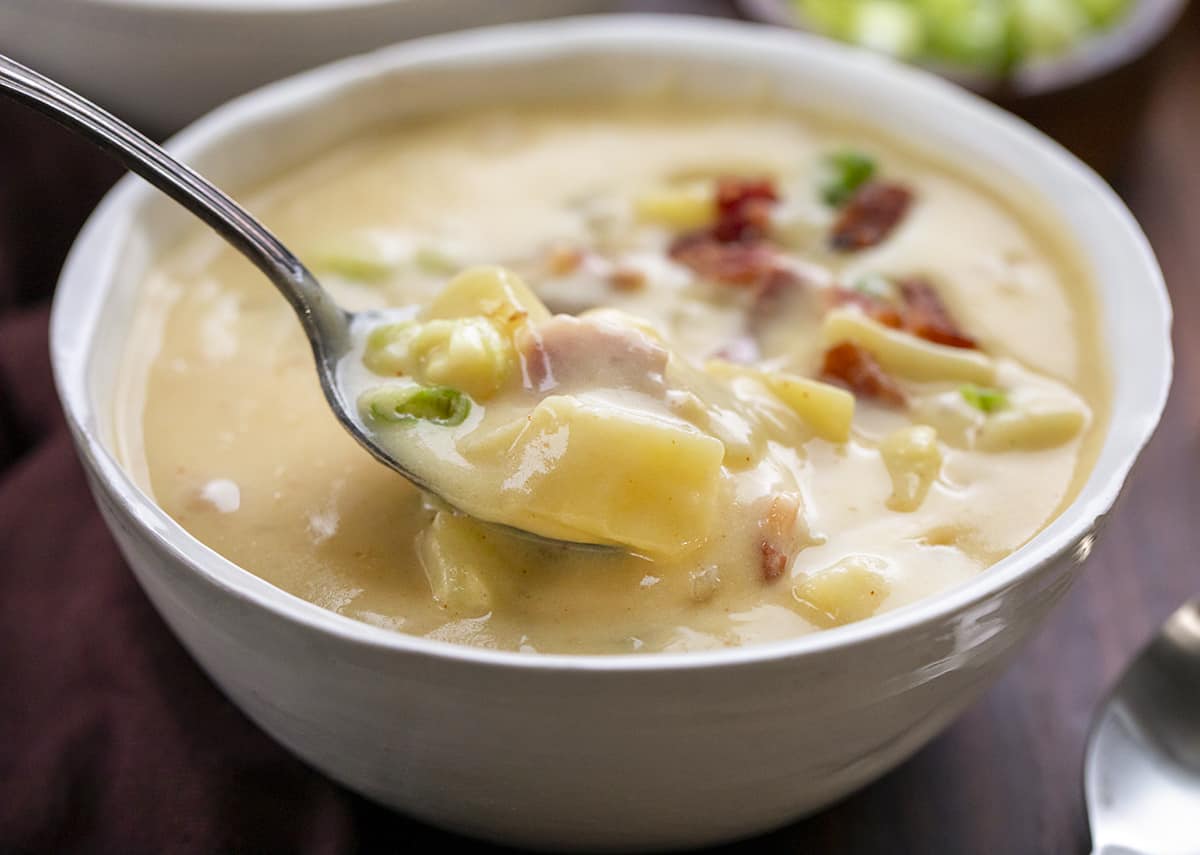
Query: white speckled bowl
{"type": "Point", "coordinates": [599, 752]}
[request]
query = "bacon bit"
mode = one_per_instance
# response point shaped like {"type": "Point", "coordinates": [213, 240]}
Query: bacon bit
{"type": "Point", "coordinates": [780, 539]}
{"type": "Point", "coordinates": [925, 315]}
{"type": "Point", "coordinates": [564, 260]}
{"type": "Point", "coordinates": [774, 562]}
{"type": "Point", "coordinates": [734, 250]}
{"type": "Point", "coordinates": [873, 307]}
{"type": "Point", "coordinates": [858, 370]}
{"type": "Point", "coordinates": [869, 217]}
{"type": "Point", "coordinates": [743, 209]}
{"type": "Point", "coordinates": [627, 279]}
{"type": "Point", "coordinates": [747, 264]}
{"type": "Point", "coordinates": [743, 350]}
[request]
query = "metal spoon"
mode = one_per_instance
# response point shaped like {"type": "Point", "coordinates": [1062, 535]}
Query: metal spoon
{"type": "Point", "coordinates": [1142, 769]}
{"type": "Point", "coordinates": [327, 326]}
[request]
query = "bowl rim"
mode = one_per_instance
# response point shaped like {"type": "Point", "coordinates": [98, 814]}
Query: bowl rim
{"type": "Point", "coordinates": [1070, 530]}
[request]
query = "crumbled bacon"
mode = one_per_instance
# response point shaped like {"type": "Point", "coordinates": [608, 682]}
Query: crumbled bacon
{"type": "Point", "coordinates": [746, 264]}
{"type": "Point", "coordinates": [562, 260]}
{"type": "Point", "coordinates": [925, 315]}
{"type": "Point", "coordinates": [921, 312]}
{"type": "Point", "coordinates": [627, 279]}
{"type": "Point", "coordinates": [780, 538]}
{"type": "Point", "coordinates": [743, 209]}
{"type": "Point", "coordinates": [774, 562]}
{"type": "Point", "coordinates": [876, 308]}
{"type": "Point", "coordinates": [734, 249]}
{"type": "Point", "coordinates": [858, 370]}
{"type": "Point", "coordinates": [869, 217]}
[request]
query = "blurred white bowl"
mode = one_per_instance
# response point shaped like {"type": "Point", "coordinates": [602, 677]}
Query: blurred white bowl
{"type": "Point", "coordinates": [162, 63]}
{"type": "Point", "coordinates": [600, 752]}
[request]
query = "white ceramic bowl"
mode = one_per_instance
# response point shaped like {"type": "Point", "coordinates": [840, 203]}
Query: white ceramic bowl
{"type": "Point", "coordinates": [600, 752]}
{"type": "Point", "coordinates": [162, 63]}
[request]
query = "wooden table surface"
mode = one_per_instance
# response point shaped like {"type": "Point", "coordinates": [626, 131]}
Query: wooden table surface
{"type": "Point", "coordinates": [1006, 777]}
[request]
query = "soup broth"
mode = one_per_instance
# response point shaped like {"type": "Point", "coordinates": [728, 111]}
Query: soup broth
{"type": "Point", "coordinates": [796, 373]}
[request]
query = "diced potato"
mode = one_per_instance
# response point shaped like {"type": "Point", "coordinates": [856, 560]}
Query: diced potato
{"type": "Point", "coordinates": [689, 206]}
{"type": "Point", "coordinates": [459, 556]}
{"type": "Point", "coordinates": [913, 460]}
{"type": "Point", "coordinates": [465, 353]}
{"type": "Point", "coordinates": [492, 292]}
{"type": "Point", "coordinates": [387, 350]}
{"type": "Point", "coordinates": [468, 354]}
{"type": "Point", "coordinates": [656, 495]}
{"type": "Point", "coordinates": [827, 409]}
{"type": "Point", "coordinates": [850, 590]}
{"type": "Point", "coordinates": [1031, 427]}
{"type": "Point", "coordinates": [906, 355]}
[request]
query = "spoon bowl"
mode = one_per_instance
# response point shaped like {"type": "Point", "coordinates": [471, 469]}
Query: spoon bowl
{"type": "Point", "coordinates": [330, 330]}
{"type": "Point", "coordinates": [1142, 767]}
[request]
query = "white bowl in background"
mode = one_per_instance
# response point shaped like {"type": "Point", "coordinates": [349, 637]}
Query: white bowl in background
{"type": "Point", "coordinates": [162, 63]}
{"type": "Point", "coordinates": [600, 752]}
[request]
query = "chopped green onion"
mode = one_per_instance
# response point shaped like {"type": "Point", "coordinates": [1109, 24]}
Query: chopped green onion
{"type": "Point", "coordinates": [438, 404]}
{"type": "Point", "coordinates": [845, 171]}
{"type": "Point", "coordinates": [984, 398]}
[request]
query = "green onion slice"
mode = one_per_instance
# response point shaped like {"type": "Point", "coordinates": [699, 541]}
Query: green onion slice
{"type": "Point", "coordinates": [441, 405]}
{"type": "Point", "coordinates": [845, 171]}
{"type": "Point", "coordinates": [984, 398]}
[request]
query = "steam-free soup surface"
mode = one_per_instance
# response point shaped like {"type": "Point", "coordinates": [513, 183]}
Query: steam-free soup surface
{"type": "Point", "coordinates": [800, 374]}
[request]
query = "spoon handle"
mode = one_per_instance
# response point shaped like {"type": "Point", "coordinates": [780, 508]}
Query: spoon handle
{"type": "Point", "coordinates": [326, 325]}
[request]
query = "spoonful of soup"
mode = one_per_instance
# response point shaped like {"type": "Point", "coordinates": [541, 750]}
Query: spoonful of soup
{"type": "Point", "coordinates": [409, 425]}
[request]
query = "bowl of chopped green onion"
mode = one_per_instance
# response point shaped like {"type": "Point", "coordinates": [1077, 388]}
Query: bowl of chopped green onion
{"type": "Point", "coordinates": [1061, 64]}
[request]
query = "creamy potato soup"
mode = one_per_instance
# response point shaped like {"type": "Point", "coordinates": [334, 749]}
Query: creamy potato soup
{"type": "Point", "coordinates": [792, 373]}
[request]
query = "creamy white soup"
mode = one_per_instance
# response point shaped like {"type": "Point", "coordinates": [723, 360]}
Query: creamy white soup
{"type": "Point", "coordinates": [792, 373]}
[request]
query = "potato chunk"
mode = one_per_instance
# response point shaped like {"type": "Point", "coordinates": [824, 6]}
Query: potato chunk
{"type": "Point", "coordinates": [464, 338]}
{"type": "Point", "coordinates": [688, 206]}
{"type": "Point", "coordinates": [601, 474]}
{"type": "Point", "coordinates": [1031, 427]}
{"type": "Point", "coordinates": [458, 556]}
{"type": "Point", "coordinates": [850, 590]}
{"type": "Point", "coordinates": [906, 355]}
{"type": "Point", "coordinates": [492, 292]}
{"type": "Point", "coordinates": [827, 409]}
{"type": "Point", "coordinates": [913, 460]}
{"type": "Point", "coordinates": [466, 353]}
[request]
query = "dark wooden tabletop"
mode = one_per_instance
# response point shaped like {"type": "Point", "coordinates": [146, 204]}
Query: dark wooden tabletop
{"type": "Point", "coordinates": [1005, 778]}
